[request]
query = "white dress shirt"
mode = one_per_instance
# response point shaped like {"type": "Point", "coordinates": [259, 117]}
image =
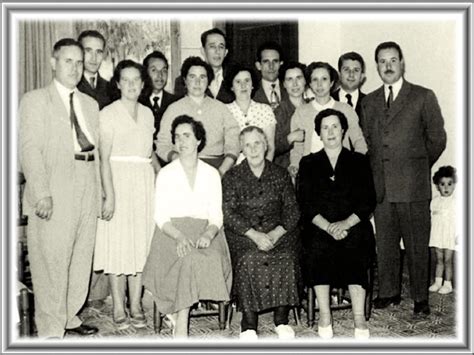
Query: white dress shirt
{"type": "Point", "coordinates": [354, 97]}
{"type": "Point", "coordinates": [64, 93]}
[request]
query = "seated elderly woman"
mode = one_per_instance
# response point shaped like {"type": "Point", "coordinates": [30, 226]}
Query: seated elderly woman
{"type": "Point", "coordinates": [189, 259]}
{"type": "Point", "coordinates": [260, 220]}
{"type": "Point", "coordinates": [337, 197]}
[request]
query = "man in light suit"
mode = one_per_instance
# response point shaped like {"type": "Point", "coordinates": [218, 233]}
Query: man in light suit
{"type": "Point", "coordinates": [404, 129]}
{"type": "Point", "coordinates": [214, 49]}
{"type": "Point", "coordinates": [58, 140]}
{"type": "Point", "coordinates": [351, 68]}
{"type": "Point", "coordinates": [91, 82]}
{"type": "Point", "coordinates": [268, 63]}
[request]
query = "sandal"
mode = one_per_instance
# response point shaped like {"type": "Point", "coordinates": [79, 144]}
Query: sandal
{"type": "Point", "coordinates": [138, 321]}
{"type": "Point", "coordinates": [122, 323]}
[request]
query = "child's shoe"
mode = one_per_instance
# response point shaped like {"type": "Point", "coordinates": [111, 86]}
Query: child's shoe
{"type": "Point", "coordinates": [437, 285]}
{"type": "Point", "coordinates": [446, 288]}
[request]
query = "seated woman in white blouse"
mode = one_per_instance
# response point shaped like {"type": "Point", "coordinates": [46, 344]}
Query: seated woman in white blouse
{"type": "Point", "coordinates": [242, 82]}
{"type": "Point", "coordinates": [189, 258]}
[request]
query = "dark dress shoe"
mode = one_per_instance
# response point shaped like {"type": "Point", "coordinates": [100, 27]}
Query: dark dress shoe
{"type": "Point", "coordinates": [83, 330]}
{"type": "Point", "coordinates": [384, 302]}
{"type": "Point", "coordinates": [422, 307]}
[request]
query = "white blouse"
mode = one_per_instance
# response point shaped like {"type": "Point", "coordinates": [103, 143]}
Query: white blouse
{"type": "Point", "coordinates": [174, 197]}
{"type": "Point", "coordinates": [258, 114]}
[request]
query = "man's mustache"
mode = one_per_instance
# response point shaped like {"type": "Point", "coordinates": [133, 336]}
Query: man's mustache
{"type": "Point", "coordinates": [389, 72]}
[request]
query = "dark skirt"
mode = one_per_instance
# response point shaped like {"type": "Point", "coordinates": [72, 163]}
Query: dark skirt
{"type": "Point", "coordinates": [264, 280]}
{"type": "Point", "coordinates": [338, 263]}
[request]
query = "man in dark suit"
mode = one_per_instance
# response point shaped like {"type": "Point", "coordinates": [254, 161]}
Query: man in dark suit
{"type": "Point", "coordinates": [404, 129]}
{"type": "Point", "coordinates": [269, 60]}
{"type": "Point", "coordinates": [351, 68]}
{"type": "Point", "coordinates": [214, 49]}
{"type": "Point", "coordinates": [58, 138]}
{"type": "Point", "coordinates": [154, 94]}
{"type": "Point", "coordinates": [95, 86]}
{"type": "Point", "coordinates": [91, 82]}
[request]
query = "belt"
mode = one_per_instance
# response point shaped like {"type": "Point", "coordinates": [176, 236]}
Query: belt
{"type": "Point", "coordinates": [88, 156]}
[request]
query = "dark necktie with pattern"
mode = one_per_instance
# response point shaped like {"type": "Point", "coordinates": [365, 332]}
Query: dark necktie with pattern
{"type": "Point", "coordinates": [390, 97]}
{"type": "Point", "coordinates": [349, 99]}
{"type": "Point", "coordinates": [274, 99]}
{"type": "Point", "coordinates": [84, 143]}
{"type": "Point", "coordinates": [156, 107]}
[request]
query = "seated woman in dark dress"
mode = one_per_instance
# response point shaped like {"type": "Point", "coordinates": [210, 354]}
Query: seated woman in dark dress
{"type": "Point", "coordinates": [260, 221]}
{"type": "Point", "coordinates": [336, 195]}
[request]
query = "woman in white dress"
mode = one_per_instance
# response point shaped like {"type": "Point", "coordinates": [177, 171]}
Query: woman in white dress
{"type": "Point", "coordinates": [189, 259]}
{"type": "Point", "coordinates": [242, 81]}
{"type": "Point", "coordinates": [127, 169]}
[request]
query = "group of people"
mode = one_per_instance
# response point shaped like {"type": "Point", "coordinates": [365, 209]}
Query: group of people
{"type": "Point", "coordinates": [235, 188]}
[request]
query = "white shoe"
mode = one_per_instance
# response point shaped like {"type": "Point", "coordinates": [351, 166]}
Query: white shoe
{"type": "Point", "coordinates": [445, 289]}
{"type": "Point", "coordinates": [434, 287]}
{"type": "Point", "coordinates": [248, 335]}
{"type": "Point", "coordinates": [285, 332]}
{"type": "Point", "coordinates": [361, 334]}
{"type": "Point", "coordinates": [325, 332]}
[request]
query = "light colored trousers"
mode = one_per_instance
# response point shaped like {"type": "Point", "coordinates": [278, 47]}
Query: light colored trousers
{"type": "Point", "coordinates": [60, 254]}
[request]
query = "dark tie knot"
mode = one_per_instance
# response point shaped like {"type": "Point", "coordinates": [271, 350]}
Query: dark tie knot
{"type": "Point", "coordinates": [273, 86]}
{"type": "Point", "coordinates": [155, 100]}
{"type": "Point", "coordinates": [349, 99]}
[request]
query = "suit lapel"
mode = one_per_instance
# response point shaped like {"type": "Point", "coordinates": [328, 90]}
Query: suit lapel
{"type": "Point", "coordinates": [399, 103]}
{"type": "Point", "coordinates": [58, 108]}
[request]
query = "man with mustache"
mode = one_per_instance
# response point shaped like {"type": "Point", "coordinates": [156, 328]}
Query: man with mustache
{"type": "Point", "coordinates": [154, 94]}
{"type": "Point", "coordinates": [269, 61]}
{"type": "Point", "coordinates": [214, 49]}
{"type": "Point", "coordinates": [404, 129]}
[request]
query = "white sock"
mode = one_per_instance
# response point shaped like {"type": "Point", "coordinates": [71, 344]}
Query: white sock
{"type": "Point", "coordinates": [439, 281]}
{"type": "Point", "coordinates": [448, 284]}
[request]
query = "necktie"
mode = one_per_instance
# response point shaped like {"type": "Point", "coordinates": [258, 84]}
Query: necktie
{"type": "Point", "coordinates": [216, 84]}
{"type": "Point", "coordinates": [390, 97]}
{"type": "Point", "coordinates": [84, 143]}
{"type": "Point", "coordinates": [274, 99]}
{"type": "Point", "coordinates": [156, 107]}
{"type": "Point", "coordinates": [349, 99]}
{"type": "Point", "coordinates": [92, 82]}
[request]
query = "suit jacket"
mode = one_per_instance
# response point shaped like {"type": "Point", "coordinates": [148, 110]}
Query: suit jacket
{"type": "Point", "coordinates": [165, 102]}
{"type": "Point", "coordinates": [224, 95]}
{"type": "Point", "coordinates": [46, 149]}
{"type": "Point", "coordinates": [99, 93]}
{"type": "Point", "coordinates": [262, 98]}
{"type": "Point", "coordinates": [358, 108]}
{"type": "Point", "coordinates": [404, 141]}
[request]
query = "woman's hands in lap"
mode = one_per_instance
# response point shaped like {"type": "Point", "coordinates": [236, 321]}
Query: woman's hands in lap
{"type": "Point", "coordinates": [203, 242]}
{"type": "Point", "coordinates": [339, 230]}
{"type": "Point", "coordinates": [184, 246]}
{"type": "Point", "coordinates": [263, 241]}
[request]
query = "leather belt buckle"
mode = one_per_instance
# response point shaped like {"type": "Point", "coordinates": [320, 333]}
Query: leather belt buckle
{"type": "Point", "coordinates": [87, 156]}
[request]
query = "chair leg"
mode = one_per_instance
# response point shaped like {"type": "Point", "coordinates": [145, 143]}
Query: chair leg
{"type": "Point", "coordinates": [222, 314]}
{"type": "Point", "coordinates": [310, 307]}
{"type": "Point", "coordinates": [296, 314]}
{"type": "Point", "coordinates": [25, 316]}
{"type": "Point", "coordinates": [156, 319]}
{"type": "Point", "coordinates": [369, 293]}
{"type": "Point", "coordinates": [230, 313]}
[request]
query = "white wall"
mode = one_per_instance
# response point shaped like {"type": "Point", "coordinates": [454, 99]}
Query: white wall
{"type": "Point", "coordinates": [430, 52]}
{"type": "Point", "coordinates": [191, 37]}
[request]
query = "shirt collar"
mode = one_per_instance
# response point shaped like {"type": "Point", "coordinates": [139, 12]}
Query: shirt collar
{"type": "Point", "coordinates": [267, 85]}
{"type": "Point", "coordinates": [159, 95]}
{"type": "Point", "coordinates": [354, 95]}
{"type": "Point", "coordinates": [89, 76]}
{"type": "Point", "coordinates": [319, 107]}
{"type": "Point", "coordinates": [64, 92]}
{"type": "Point", "coordinates": [396, 87]}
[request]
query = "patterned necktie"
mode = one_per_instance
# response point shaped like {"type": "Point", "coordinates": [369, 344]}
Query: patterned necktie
{"type": "Point", "coordinates": [92, 82]}
{"type": "Point", "coordinates": [156, 107]}
{"type": "Point", "coordinates": [390, 97]}
{"type": "Point", "coordinates": [349, 99]}
{"type": "Point", "coordinates": [274, 99]}
{"type": "Point", "coordinates": [84, 143]}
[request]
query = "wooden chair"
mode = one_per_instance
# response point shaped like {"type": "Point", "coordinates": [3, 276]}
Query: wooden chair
{"type": "Point", "coordinates": [295, 309]}
{"type": "Point", "coordinates": [221, 312]}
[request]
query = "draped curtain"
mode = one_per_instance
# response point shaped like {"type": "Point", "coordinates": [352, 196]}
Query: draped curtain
{"type": "Point", "coordinates": [36, 42]}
